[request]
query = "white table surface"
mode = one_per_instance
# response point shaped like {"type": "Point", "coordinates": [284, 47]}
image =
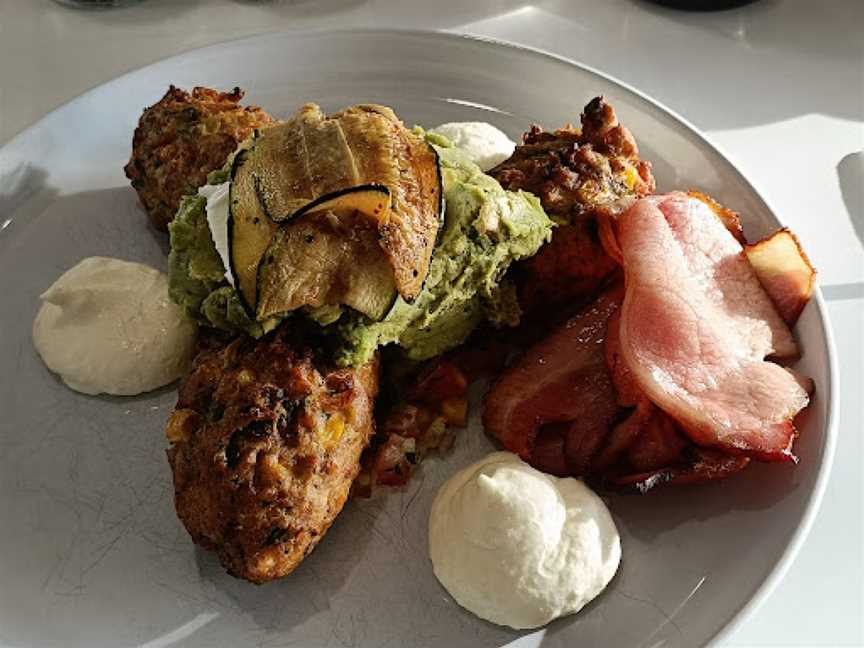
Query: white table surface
{"type": "Point", "coordinates": [779, 85]}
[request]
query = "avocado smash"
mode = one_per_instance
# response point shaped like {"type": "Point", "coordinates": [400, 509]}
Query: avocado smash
{"type": "Point", "coordinates": [485, 229]}
{"type": "Point", "coordinates": [196, 274]}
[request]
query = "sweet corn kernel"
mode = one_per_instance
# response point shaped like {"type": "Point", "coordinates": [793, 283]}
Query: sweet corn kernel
{"type": "Point", "coordinates": [178, 425]}
{"type": "Point", "coordinates": [245, 377]}
{"type": "Point", "coordinates": [631, 177]}
{"type": "Point", "coordinates": [333, 430]}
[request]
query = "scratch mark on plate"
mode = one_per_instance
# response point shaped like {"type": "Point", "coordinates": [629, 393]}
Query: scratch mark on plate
{"type": "Point", "coordinates": [184, 631]}
{"type": "Point", "coordinates": [653, 605]}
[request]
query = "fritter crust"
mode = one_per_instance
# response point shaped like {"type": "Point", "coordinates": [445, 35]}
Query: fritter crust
{"type": "Point", "coordinates": [181, 139]}
{"type": "Point", "coordinates": [265, 443]}
{"type": "Point", "coordinates": [574, 172]}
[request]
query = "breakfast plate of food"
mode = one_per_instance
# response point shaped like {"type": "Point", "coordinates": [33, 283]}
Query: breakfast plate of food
{"type": "Point", "coordinates": [374, 338]}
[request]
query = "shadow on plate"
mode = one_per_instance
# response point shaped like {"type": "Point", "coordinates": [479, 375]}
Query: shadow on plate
{"type": "Point", "coordinates": [25, 185]}
{"type": "Point", "coordinates": [60, 230]}
{"type": "Point", "coordinates": [850, 173]}
{"type": "Point", "coordinates": [306, 597]}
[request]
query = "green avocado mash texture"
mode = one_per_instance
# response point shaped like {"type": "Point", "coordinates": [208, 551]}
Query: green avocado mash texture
{"type": "Point", "coordinates": [485, 229]}
{"type": "Point", "coordinates": [196, 276]}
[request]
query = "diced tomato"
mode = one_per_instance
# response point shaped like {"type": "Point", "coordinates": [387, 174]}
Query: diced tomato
{"type": "Point", "coordinates": [402, 421]}
{"type": "Point", "coordinates": [436, 384]}
{"type": "Point", "coordinates": [392, 467]}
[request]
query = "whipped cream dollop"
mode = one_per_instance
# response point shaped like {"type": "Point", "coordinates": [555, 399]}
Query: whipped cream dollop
{"type": "Point", "coordinates": [486, 145]}
{"type": "Point", "coordinates": [518, 547]}
{"type": "Point", "coordinates": [109, 326]}
{"type": "Point", "coordinates": [217, 220]}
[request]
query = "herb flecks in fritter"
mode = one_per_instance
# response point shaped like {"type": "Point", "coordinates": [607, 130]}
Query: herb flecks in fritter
{"type": "Point", "coordinates": [265, 442]}
{"type": "Point", "coordinates": [182, 138]}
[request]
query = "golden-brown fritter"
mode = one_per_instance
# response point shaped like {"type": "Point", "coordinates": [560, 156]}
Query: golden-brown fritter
{"type": "Point", "coordinates": [181, 139]}
{"type": "Point", "coordinates": [573, 172]}
{"type": "Point", "coordinates": [265, 443]}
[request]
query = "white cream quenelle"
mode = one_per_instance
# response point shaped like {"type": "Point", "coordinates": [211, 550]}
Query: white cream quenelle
{"type": "Point", "coordinates": [217, 220]}
{"type": "Point", "coordinates": [109, 326]}
{"type": "Point", "coordinates": [486, 145]}
{"type": "Point", "coordinates": [518, 547]}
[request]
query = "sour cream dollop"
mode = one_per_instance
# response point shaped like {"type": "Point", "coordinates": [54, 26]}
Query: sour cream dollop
{"type": "Point", "coordinates": [518, 547]}
{"type": "Point", "coordinates": [217, 220]}
{"type": "Point", "coordinates": [109, 326]}
{"type": "Point", "coordinates": [486, 145]}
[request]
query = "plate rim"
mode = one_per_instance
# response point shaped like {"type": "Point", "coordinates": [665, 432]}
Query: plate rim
{"type": "Point", "coordinates": [783, 562]}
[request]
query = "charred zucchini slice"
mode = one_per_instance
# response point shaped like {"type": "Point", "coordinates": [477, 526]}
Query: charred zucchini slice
{"type": "Point", "coordinates": [376, 183]}
{"type": "Point", "coordinates": [410, 239]}
{"type": "Point", "coordinates": [386, 152]}
{"type": "Point", "coordinates": [307, 165]}
{"type": "Point", "coordinates": [371, 201]}
{"type": "Point", "coordinates": [279, 162]}
{"type": "Point", "coordinates": [314, 157]}
{"type": "Point", "coordinates": [325, 258]}
{"type": "Point", "coordinates": [249, 229]}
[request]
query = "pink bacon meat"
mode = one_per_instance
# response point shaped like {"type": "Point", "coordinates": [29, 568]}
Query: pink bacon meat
{"type": "Point", "coordinates": [696, 326]}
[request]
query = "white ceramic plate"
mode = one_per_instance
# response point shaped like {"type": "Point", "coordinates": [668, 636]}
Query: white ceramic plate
{"type": "Point", "coordinates": [91, 553]}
